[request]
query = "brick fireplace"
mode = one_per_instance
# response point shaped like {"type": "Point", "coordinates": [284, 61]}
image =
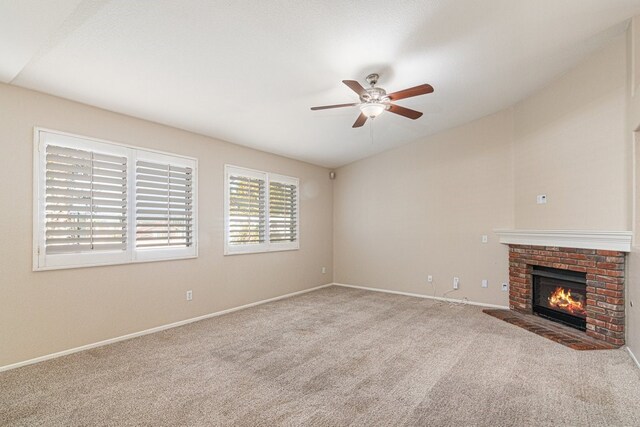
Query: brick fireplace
{"type": "Point", "coordinates": [604, 269]}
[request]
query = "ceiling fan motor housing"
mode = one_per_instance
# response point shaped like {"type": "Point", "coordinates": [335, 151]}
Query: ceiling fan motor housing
{"type": "Point", "coordinates": [374, 93]}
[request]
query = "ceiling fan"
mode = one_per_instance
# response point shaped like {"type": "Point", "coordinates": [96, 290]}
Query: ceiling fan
{"type": "Point", "coordinates": [375, 100]}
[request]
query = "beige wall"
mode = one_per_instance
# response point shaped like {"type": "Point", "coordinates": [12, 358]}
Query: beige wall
{"type": "Point", "coordinates": [633, 297]}
{"type": "Point", "coordinates": [46, 312]}
{"type": "Point", "coordinates": [632, 285]}
{"type": "Point", "coordinates": [633, 134]}
{"type": "Point", "coordinates": [570, 144]}
{"type": "Point", "coordinates": [633, 271]}
{"type": "Point", "coordinates": [421, 210]}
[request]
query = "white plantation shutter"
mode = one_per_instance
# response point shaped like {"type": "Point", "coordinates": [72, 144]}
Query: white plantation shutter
{"type": "Point", "coordinates": [261, 211]}
{"type": "Point", "coordinates": [164, 205]}
{"type": "Point", "coordinates": [283, 212]}
{"type": "Point", "coordinates": [246, 210]}
{"type": "Point", "coordinates": [85, 201]}
{"type": "Point", "coordinates": [101, 203]}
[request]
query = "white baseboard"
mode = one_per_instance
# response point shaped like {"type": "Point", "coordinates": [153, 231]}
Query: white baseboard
{"type": "Point", "coordinates": [633, 356]}
{"type": "Point", "coordinates": [153, 330]}
{"type": "Point", "coordinates": [459, 301]}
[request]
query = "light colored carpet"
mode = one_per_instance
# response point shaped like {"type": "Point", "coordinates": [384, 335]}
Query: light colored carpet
{"type": "Point", "coordinates": [335, 356]}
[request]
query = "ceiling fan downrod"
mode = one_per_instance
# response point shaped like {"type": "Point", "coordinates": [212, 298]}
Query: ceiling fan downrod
{"type": "Point", "coordinates": [372, 79]}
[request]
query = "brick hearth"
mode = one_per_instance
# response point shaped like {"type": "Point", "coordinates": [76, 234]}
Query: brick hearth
{"type": "Point", "coordinates": [605, 284]}
{"type": "Point", "coordinates": [553, 331]}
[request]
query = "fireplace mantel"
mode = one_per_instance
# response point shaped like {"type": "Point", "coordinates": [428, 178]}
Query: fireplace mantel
{"type": "Point", "coordinates": [582, 239]}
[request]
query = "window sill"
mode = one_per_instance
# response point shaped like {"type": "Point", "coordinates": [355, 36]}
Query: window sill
{"type": "Point", "coordinates": [110, 263]}
{"type": "Point", "coordinates": [262, 250]}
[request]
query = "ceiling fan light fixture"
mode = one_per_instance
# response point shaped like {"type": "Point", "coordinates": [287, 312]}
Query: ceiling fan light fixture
{"type": "Point", "coordinates": [372, 109]}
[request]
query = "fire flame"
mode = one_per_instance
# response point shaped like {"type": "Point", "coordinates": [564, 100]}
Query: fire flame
{"type": "Point", "coordinates": [562, 298]}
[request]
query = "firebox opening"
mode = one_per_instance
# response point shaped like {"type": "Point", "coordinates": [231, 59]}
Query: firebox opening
{"type": "Point", "coordinates": [560, 295]}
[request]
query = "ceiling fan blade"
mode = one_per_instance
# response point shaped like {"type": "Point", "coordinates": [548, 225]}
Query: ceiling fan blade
{"type": "Point", "coordinates": [408, 93]}
{"type": "Point", "coordinates": [355, 86]}
{"type": "Point", "coordinates": [360, 121]}
{"type": "Point", "coordinates": [326, 107]}
{"type": "Point", "coordinates": [406, 112]}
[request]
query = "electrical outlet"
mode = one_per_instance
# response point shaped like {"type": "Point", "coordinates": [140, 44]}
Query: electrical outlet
{"type": "Point", "coordinates": [505, 287]}
{"type": "Point", "coordinates": [456, 282]}
{"type": "Point", "coordinates": [189, 295]}
{"type": "Point", "coordinates": [485, 283]}
{"type": "Point", "coordinates": [324, 270]}
{"type": "Point", "coordinates": [485, 238]}
{"type": "Point", "coordinates": [429, 278]}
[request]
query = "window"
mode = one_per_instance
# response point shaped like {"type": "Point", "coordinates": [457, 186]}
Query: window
{"type": "Point", "coordinates": [261, 211]}
{"type": "Point", "coordinates": [164, 205]}
{"type": "Point", "coordinates": [247, 209]}
{"type": "Point", "coordinates": [100, 203]}
{"type": "Point", "coordinates": [283, 219]}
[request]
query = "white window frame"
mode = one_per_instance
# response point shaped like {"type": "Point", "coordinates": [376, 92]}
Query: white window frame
{"type": "Point", "coordinates": [267, 246]}
{"type": "Point", "coordinates": [42, 261]}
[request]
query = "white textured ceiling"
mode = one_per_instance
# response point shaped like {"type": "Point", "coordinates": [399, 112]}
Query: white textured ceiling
{"type": "Point", "coordinates": [248, 71]}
